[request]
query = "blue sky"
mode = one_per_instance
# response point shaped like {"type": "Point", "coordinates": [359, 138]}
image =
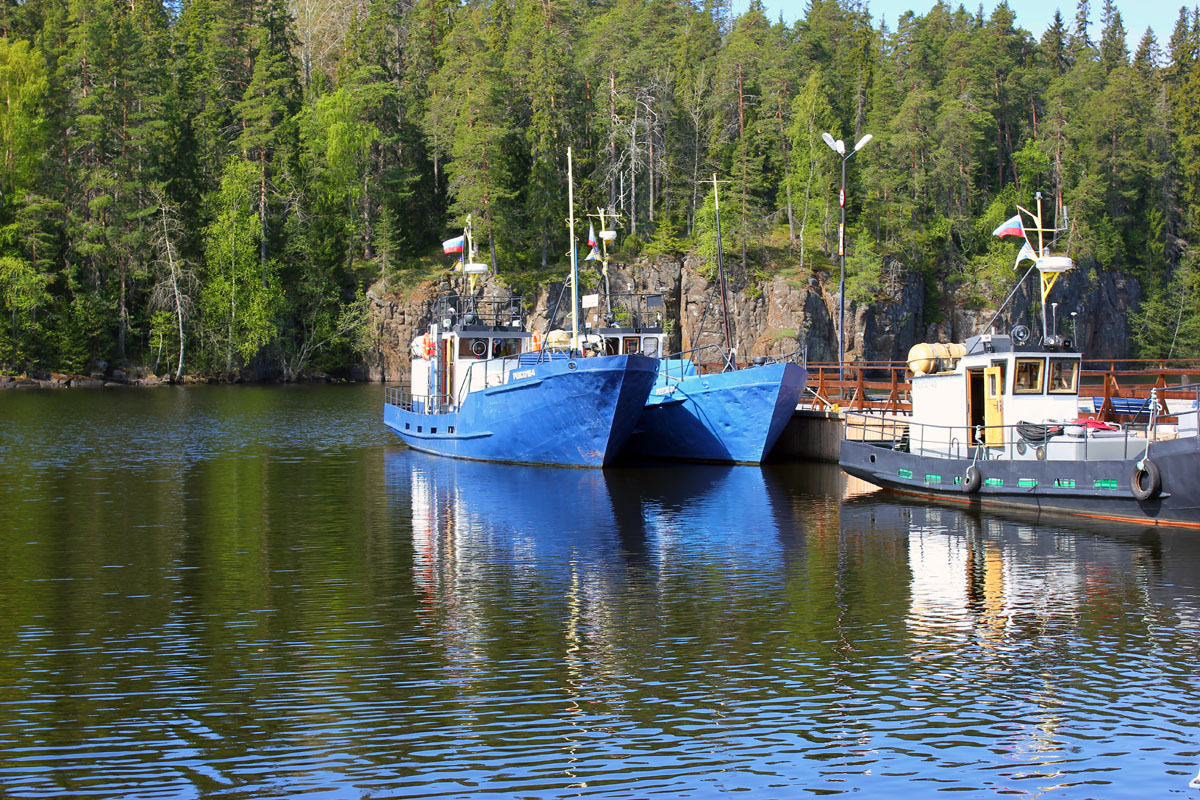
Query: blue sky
{"type": "Point", "coordinates": [1033, 15]}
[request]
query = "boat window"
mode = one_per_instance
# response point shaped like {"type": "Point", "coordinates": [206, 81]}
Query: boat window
{"type": "Point", "coordinates": [1029, 376]}
{"type": "Point", "coordinates": [612, 345]}
{"type": "Point", "coordinates": [1064, 376]}
{"type": "Point", "coordinates": [472, 348]}
{"type": "Point", "coordinates": [630, 344]}
{"type": "Point", "coordinates": [650, 346]}
{"type": "Point", "coordinates": [503, 348]}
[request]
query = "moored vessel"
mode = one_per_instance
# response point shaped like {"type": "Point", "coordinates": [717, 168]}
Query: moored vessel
{"type": "Point", "coordinates": [478, 393]}
{"type": "Point", "coordinates": [732, 416]}
{"type": "Point", "coordinates": [483, 388]}
{"type": "Point", "coordinates": [996, 421]}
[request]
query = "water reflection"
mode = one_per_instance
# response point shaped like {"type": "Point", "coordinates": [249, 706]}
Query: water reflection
{"type": "Point", "coordinates": [286, 604]}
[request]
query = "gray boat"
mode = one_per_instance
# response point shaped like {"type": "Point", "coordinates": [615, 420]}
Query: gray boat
{"type": "Point", "coordinates": [998, 421]}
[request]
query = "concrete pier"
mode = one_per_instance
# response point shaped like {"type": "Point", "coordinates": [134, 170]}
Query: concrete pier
{"type": "Point", "coordinates": [810, 436]}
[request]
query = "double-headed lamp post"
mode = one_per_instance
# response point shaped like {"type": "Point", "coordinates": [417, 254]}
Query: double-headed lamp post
{"type": "Point", "coordinates": [839, 147]}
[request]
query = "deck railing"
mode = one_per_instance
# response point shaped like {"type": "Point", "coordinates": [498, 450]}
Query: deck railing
{"type": "Point", "coordinates": [417, 403]}
{"type": "Point", "coordinates": [1121, 389]}
{"type": "Point", "coordinates": [898, 431]}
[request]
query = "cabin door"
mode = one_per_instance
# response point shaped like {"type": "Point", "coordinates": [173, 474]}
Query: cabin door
{"type": "Point", "coordinates": [445, 355]}
{"type": "Point", "coordinates": [993, 415]}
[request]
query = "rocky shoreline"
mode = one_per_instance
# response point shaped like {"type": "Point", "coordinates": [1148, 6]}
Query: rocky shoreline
{"type": "Point", "coordinates": [142, 378]}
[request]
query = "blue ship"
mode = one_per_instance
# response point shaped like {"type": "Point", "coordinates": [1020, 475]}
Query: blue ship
{"type": "Point", "coordinates": [478, 392]}
{"type": "Point", "coordinates": [734, 416]}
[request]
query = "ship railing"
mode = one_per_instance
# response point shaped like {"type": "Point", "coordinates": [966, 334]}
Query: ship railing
{"type": "Point", "coordinates": [627, 310]}
{"type": "Point", "coordinates": [728, 363]}
{"type": "Point", "coordinates": [417, 403]}
{"type": "Point", "coordinates": [678, 361]}
{"type": "Point", "coordinates": [1093, 443]}
{"type": "Point", "coordinates": [489, 372]}
{"type": "Point", "coordinates": [490, 312]}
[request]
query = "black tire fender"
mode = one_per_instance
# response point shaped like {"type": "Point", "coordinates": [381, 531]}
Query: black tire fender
{"type": "Point", "coordinates": [972, 480]}
{"type": "Point", "coordinates": [1146, 480]}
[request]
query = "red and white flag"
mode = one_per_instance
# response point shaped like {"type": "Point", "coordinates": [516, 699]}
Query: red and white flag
{"type": "Point", "coordinates": [1012, 227]}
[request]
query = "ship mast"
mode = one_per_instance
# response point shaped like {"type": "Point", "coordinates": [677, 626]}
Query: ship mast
{"type": "Point", "coordinates": [721, 273]}
{"type": "Point", "coordinates": [1049, 267]}
{"type": "Point", "coordinates": [574, 263]}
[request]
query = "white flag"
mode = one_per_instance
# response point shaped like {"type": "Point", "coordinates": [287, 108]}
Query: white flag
{"type": "Point", "coordinates": [1027, 254]}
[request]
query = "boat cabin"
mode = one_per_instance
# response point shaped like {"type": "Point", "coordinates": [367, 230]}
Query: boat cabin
{"type": "Point", "coordinates": [473, 344]}
{"type": "Point", "coordinates": [982, 391]}
{"type": "Point", "coordinates": [627, 324]}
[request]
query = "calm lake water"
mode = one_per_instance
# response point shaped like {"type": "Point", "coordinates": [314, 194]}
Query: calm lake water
{"type": "Point", "coordinates": [245, 592]}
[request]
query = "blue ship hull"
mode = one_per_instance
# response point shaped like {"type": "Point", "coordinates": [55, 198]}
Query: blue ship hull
{"type": "Point", "coordinates": [725, 417]}
{"type": "Point", "coordinates": [571, 412]}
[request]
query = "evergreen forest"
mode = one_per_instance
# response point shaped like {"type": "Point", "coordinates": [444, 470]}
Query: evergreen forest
{"type": "Point", "coordinates": [212, 186]}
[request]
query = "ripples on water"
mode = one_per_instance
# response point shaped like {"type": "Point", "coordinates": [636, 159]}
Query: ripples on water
{"type": "Point", "coordinates": [255, 592]}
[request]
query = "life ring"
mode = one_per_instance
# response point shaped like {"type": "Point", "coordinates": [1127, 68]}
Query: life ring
{"type": "Point", "coordinates": [1146, 480]}
{"type": "Point", "coordinates": [479, 347]}
{"type": "Point", "coordinates": [537, 340]}
{"type": "Point", "coordinates": [427, 346]}
{"type": "Point", "coordinates": [972, 480]}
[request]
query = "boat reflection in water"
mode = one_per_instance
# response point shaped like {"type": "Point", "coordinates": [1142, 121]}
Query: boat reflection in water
{"type": "Point", "coordinates": [1057, 630]}
{"type": "Point", "coordinates": [745, 628]}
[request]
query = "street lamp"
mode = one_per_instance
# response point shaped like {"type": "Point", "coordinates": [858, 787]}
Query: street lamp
{"type": "Point", "coordinates": [839, 147]}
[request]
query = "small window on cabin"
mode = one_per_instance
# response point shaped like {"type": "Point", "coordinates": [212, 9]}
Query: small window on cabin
{"type": "Point", "coordinates": [472, 348]}
{"type": "Point", "coordinates": [630, 344]}
{"type": "Point", "coordinates": [1029, 376]}
{"type": "Point", "coordinates": [1064, 376]}
{"type": "Point", "coordinates": [1003, 365]}
{"type": "Point", "coordinates": [992, 389]}
{"type": "Point", "coordinates": [612, 346]}
{"type": "Point", "coordinates": [650, 346]}
{"type": "Point", "coordinates": [505, 347]}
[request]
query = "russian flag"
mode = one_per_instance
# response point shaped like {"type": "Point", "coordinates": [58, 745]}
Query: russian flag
{"type": "Point", "coordinates": [591, 236]}
{"type": "Point", "coordinates": [454, 245]}
{"type": "Point", "coordinates": [1012, 227]}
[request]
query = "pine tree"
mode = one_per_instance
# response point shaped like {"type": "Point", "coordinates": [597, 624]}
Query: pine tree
{"type": "Point", "coordinates": [1113, 52]}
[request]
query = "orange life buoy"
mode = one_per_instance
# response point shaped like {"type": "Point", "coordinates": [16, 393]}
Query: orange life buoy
{"type": "Point", "coordinates": [427, 345]}
{"type": "Point", "coordinates": [537, 340]}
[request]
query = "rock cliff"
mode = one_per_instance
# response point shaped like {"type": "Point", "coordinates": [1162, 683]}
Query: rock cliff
{"type": "Point", "coordinates": [786, 314]}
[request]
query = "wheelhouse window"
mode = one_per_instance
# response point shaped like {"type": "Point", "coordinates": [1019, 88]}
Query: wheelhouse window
{"type": "Point", "coordinates": [650, 346]}
{"type": "Point", "coordinates": [1029, 374]}
{"type": "Point", "coordinates": [505, 347]}
{"type": "Point", "coordinates": [1064, 376]}
{"type": "Point", "coordinates": [630, 345]}
{"type": "Point", "coordinates": [473, 347]}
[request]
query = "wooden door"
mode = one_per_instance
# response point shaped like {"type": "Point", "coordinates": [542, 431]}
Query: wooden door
{"type": "Point", "coordinates": [993, 407]}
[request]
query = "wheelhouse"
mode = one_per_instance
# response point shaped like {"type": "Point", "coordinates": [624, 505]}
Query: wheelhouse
{"type": "Point", "coordinates": [473, 344]}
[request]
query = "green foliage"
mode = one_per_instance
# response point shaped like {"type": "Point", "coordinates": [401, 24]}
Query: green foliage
{"type": "Point", "coordinates": [240, 297]}
{"type": "Point", "coordinates": [23, 86]}
{"type": "Point", "coordinates": [1167, 326]}
{"type": "Point", "coordinates": [305, 158]}
{"type": "Point", "coordinates": [664, 242]}
{"type": "Point", "coordinates": [864, 271]}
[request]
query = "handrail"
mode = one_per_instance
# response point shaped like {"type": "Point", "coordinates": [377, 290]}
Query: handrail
{"type": "Point", "coordinates": [416, 403]}
{"type": "Point", "coordinates": [665, 371]}
{"type": "Point", "coordinates": [903, 432]}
